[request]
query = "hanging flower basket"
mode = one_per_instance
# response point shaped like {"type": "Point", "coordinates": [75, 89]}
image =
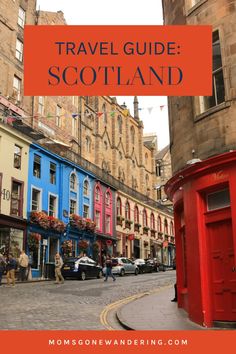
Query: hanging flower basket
{"type": "Point", "coordinates": [67, 247]}
{"type": "Point", "coordinates": [40, 218]}
{"type": "Point", "coordinates": [83, 245]}
{"type": "Point", "coordinates": [109, 242]}
{"type": "Point", "coordinates": [145, 243]}
{"type": "Point", "coordinates": [33, 240]}
{"type": "Point", "coordinates": [56, 224]}
{"type": "Point", "coordinates": [90, 225]}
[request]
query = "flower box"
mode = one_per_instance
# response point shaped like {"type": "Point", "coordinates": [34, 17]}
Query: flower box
{"type": "Point", "coordinates": [146, 229]}
{"type": "Point", "coordinates": [137, 227]}
{"type": "Point", "coordinates": [128, 224]}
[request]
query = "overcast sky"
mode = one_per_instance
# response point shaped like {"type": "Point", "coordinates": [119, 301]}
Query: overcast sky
{"type": "Point", "coordinates": [153, 109]}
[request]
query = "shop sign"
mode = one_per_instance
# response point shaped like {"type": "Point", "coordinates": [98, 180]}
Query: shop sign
{"type": "Point", "coordinates": [6, 194]}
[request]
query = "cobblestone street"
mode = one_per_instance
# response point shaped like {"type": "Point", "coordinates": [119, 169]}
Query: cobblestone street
{"type": "Point", "coordinates": [73, 305]}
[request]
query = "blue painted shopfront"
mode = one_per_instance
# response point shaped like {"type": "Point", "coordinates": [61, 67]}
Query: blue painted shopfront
{"type": "Point", "coordinates": [58, 188]}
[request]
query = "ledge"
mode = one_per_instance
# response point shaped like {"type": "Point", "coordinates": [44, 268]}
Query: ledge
{"type": "Point", "coordinates": [211, 111]}
{"type": "Point", "coordinates": [195, 7]}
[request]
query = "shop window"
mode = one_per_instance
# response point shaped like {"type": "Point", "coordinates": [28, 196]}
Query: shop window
{"type": "Point", "coordinates": [37, 166]}
{"type": "Point", "coordinates": [17, 198]}
{"type": "Point", "coordinates": [17, 157]}
{"type": "Point", "coordinates": [218, 200]}
{"type": "Point", "coordinates": [218, 87]}
{"type": "Point", "coordinates": [52, 205]}
{"type": "Point", "coordinates": [86, 211]}
{"type": "Point", "coordinates": [72, 206]}
{"type": "Point", "coordinates": [21, 17]}
{"type": "Point", "coordinates": [53, 168]}
{"type": "Point", "coordinates": [11, 241]}
{"type": "Point", "coordinates": [108, 224]}
{"type": "Point", "coordinates": [19, 50]}
{"type": "Point", "coordinates": [35, 202]}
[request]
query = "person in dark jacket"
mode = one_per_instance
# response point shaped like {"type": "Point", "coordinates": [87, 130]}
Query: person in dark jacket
{"type": "Point", "coordinates": [2, 267]}
{"type": "Point", "coordinates": [108, 265]}
{"type": "Point", "coordinates": [11, 268]}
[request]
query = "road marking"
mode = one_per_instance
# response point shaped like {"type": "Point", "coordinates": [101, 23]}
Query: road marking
{"type": "Point", "coordinates": [115, 305]}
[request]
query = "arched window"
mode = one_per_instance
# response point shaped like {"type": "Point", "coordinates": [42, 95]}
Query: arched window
{"type": "Point", "coordinates": [73, 181]}
{"type": "Point", "coordinates": [132, 135]}
{"type": "Point", "coordinates": [127, 210]}
{"type": "Point", "coordinates": [119, 120]}
{"type": "Point", "coordinates": [104, 111]}
{"type": "Point", "coordinates": [97, 194]}
{"type": "Point", "coordinates": [108, 199]}
{"type": "Point", "coordinates": [133, 163]}
{"type": "Point", "coordinates": [120, 155]}
{"type": "Point", "coordinates": [105, 145]}
{"type": "Point", "coordinates": [88, 144]}
{"type": "Point", "coordinates": [145, 222]}
{"type": "Point", "coordinates": [165, 227]}
{"type": "Point", "coordinates": [171, 228]}
{"type": "Point", "coordinates": [118, 206]}
{"type": "Point", "coordinates": [136, 214]}
{"type": "Point", "coordinates": [159, 224]}
{"type": "Point", "coordinates": [153, 222]}
{"type": "Point", "coordinates": [86, 188]}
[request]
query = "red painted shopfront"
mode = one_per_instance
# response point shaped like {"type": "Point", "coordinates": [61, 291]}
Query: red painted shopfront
{"type": "Point", "coordinates": [204, 198]}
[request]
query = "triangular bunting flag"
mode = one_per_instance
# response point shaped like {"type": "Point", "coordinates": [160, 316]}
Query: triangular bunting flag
{"type": "Point", "coordinates": [150, 110]}
{"type": "Point", "coordinates": [99, 114]}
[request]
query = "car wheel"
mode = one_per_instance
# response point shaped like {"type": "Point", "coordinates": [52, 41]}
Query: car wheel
{"type": "Point", "coordinates": [83, 276]}
{"type": "Point", "coordinates": [100, 275]}
{"type": "Point", "coordinates": [122, 272]}
{"type": "Point", "coordinates": [136, 272]}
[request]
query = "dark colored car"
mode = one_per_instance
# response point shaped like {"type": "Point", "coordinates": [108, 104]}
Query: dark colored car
{"type": "Point", "coordinates": [81, 268]}
{"type": "Point", "coordinates": [156, 265]}
{"type": "Point", "coordinates": [143, 266]}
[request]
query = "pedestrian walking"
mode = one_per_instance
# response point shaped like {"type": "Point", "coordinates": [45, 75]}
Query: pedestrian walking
{"type": "Point", "coordinates": [2, 267]}
{"type": "Point", "coordinates": [11, 268]}
{"type": "Point", "coordinates": [108, 264]}
{"type": "Point", "coordinates": [58, 266]}
{"type": "Point", "coordinates": [23, 263]}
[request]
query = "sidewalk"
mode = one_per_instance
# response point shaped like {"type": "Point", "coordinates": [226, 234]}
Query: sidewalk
{"type": "Point", "coordinates": [155, 312]}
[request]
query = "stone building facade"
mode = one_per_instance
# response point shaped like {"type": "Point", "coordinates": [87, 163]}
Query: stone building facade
{"type": "Point", "coordinates": [96, 133]}
{"type": "Point", "coordinates": [203, 156]}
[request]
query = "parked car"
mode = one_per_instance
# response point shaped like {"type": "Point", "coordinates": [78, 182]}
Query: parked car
{"type": "Point", "coordinates": [122, 266]}
{"type": "Point", "coordinates": [156, 265]}
{"type": "Point", "coordinates": [81, 268]}
{"type": "Point", "coordinates": [143, 266]}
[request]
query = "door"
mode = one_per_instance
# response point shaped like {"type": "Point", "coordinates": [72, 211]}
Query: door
{"type": "Point", "coordinates": [222, 270]}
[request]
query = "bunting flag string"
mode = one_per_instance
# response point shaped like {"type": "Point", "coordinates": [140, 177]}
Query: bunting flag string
{"type": "Point", "coordinates": [151, 108]}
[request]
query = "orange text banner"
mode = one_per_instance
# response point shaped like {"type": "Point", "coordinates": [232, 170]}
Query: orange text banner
{"type": "Point", "coordinates": [53, 342]}
{"type": "Point", "coordinates": [118, 60]}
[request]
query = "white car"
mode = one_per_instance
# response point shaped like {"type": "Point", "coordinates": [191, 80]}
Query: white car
{"type": "Point", "coordinates": [122, 266]}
